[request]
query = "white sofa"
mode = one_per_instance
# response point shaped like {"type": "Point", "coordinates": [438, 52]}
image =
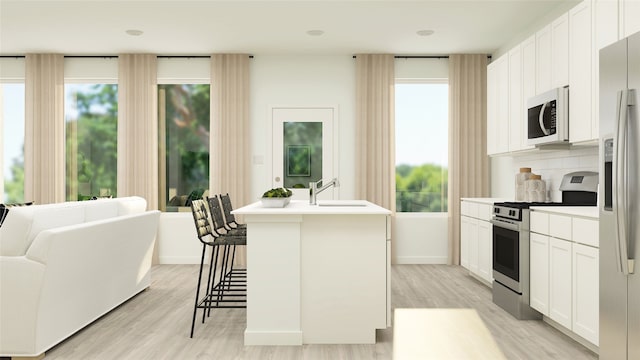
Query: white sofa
{"type": "Point", "coordinates": [62, 266]}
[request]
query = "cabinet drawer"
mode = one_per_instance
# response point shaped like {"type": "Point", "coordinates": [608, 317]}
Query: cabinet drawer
{"type": "Point", "coordinates": [540, 222]}
{"type": "Point", "coordinates": [485, 212]}
{"type": "Point", "coordinates": [586, 231]}
{"type": "Point", "coordinates": [560, 226]}
{"type": "Point", "coordinates": [470, 209]}
{"type": "Point", "coordinates": [464, 208]}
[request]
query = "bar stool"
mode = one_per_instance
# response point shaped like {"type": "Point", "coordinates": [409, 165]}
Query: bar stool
{"type": "Point", "coordinates": [235, 276]}
{"type": "Point", "coordinates": [222, 293]}
{"type": "Point", "coordinates": [227, 208]}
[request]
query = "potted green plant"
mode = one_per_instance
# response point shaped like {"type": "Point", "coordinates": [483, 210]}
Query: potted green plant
{"type": "Point", "coordinates": [278, 197]}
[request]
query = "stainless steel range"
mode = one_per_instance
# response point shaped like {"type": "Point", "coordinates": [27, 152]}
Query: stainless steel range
{"type": "Point", "coordinates": [511, 242]}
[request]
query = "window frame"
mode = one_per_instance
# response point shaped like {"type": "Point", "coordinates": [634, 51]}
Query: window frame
{"type": "Point", "coordinates": [444, 194]}
{"type": "Point", "coordinates": [12, 71]}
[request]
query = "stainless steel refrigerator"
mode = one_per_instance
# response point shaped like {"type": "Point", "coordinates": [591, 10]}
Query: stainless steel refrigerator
{"type": "Point", "coordinates": [619, 199]}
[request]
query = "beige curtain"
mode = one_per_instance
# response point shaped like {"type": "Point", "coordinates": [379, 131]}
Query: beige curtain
{"type": "Point", "coordinates": [468, 160]}
{"type": "Point", "coordinates": [375, 129]}
{"type": "Point", "coordinates": [229, 150]}
{"type": "Point", "coordinates": [44, 167]}
{"type": "Point", "coordinates": [138, 127]}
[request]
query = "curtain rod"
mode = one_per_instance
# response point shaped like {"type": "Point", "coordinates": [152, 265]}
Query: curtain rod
{"type": "Point", "coordinates": [115, 56]}
{"type": "Point", "coordinates": [422, 56]}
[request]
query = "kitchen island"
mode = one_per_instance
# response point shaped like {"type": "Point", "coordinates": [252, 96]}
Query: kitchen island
{"type": "Point", "coordinates": [317, 274]}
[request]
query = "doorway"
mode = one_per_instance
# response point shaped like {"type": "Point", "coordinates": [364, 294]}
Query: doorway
{"type": "Point", "coordinates": [303, 149]}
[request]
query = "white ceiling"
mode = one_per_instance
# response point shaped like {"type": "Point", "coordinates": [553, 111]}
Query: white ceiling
{"type": "Point", "coordinates": [174, 27]}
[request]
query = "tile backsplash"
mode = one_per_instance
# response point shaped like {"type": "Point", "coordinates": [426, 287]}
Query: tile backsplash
{"type": "Point", "coordinates": [551, 164]}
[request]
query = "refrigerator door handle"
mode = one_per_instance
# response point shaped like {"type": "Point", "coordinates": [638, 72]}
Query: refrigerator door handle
{"type": "Point", "coordinates": [620, 190]}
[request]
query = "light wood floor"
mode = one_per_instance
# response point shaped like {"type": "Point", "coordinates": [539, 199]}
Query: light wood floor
{"type": "Point", "coordinates": [155, 324]}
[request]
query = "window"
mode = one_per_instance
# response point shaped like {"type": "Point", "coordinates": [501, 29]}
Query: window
{"type": "Point", "coordinates": [91, 130]}
{"type": "Point", "coordinates": [12, 112]}
{"type": "Point", "coordinates": [184, 141]}
{"type": "Point", "coordinates": [421, 145]}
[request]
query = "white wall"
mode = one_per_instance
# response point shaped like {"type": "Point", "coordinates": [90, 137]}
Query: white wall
{"type": "Point", "coordinates": [421, 238]}
{"type": "Point", "coordinates": [552, 165]}
{"type": "Point", "coordinates": [302, 80]}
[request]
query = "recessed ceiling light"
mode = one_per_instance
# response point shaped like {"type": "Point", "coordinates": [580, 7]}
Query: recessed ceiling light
{"type": "Point", "coordinates": [315, 32]}
{"type": "Point", "coordinates": [134, 32]}
{"type": "Point", "coordinates": [424, 32]}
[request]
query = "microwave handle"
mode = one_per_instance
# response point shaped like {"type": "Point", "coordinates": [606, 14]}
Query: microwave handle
{"type": "Point", "coordinates": [541, 120]}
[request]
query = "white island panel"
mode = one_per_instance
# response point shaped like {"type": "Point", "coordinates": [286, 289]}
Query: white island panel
{"type": "Point", "coordinates": [316, 274]}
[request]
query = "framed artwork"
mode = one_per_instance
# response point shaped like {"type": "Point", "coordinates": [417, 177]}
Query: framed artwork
{"type": "Point", "coordinates": [298, 160]}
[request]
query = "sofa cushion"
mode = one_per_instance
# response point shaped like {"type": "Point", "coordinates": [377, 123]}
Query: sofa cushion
{"type": "Point", "coordinates": [100, 209]}
{"type": "Point", "coordinates": [14, 231]}
{"type": "Point", "coordinates": [131, 205]}
{"type": "Point", "coordinates": [44, 219]}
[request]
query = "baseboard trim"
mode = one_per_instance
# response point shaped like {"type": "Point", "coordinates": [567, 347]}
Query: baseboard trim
{"type": "Point", "coordinates": [38, 357]}
{"type": "Point", "coordinates": [179, 260]}
{"type": "Point", "coordinates": [420, 260]}
{"type": "Point", "coordinates": [577, 338]}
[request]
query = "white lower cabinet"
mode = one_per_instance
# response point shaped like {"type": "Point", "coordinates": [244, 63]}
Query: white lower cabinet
{"type": "Point", "coordinates": [476, 240]}
{"type": "Point", "coordinates": [564, 272]}
{"type": "Point", "coordinates": [560, 281]}
{"type": "Point", "coordinates": [585, 292]}
{"type": "Point", "coordinates": [465, 235]}
{"type": "Point", "coordinates": [485, 250]}
{"type": "Point", "coordinates": [473, 245]}
{"type": "Point", "coordinates": [539, 273]}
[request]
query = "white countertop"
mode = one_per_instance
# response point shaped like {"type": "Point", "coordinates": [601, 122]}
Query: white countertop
{"type": "Point", "coordinates": [489, 201]}
{"type": "Point", "coordinates": [582, 211]}
{"type": "Point", "coordinates": [326, 207]}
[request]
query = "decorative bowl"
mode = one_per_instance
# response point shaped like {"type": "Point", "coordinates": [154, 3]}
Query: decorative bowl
{"type": "Point", "coordinates": [275, 202]}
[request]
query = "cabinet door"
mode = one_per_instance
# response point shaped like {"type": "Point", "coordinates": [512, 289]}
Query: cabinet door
{"type": "Point", "coordinates": [560, 302]}
{"type": "Point", "coordinates": [631, 17]}
{"type": "Point", "coordinates": [580, 74]}
{"type": "Point", "coordinates": [516, 109]}
{"type": "Point", "coordinates": [473, 246]}
{"type": "Point", "coordinates": [586, 292]}
{"type": "Point", "coordinates": [543, 59]}
{"type": "Point", "coordinates": [560, 51]}
{"type": "Point", "coordinates": [465, 234]}
{"type": "Point", "coordinates": [503, 104]}
{"type": "Point", "coordinates": [498, 106]}
{"type": "Point", "coordinates": [606, 22]}
{"type": "Point", "coordinates": [485, 250]}
{"type": "Point", "coordinates": [539, 273]}
{"type": "Point", "coordinates": [528, 82]}
{"type": "Point", "coordinates": [492, 117]}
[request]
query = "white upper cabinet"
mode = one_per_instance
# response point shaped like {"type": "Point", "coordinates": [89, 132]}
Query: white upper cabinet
{"type": "Point", "coordinates": [543, 59]}
{"type": "Point", "coordinates": [492, 99]}
{"type": "Point", "coordinates": [528, 48]}
{"type": "Point", "coordinates": [516, 109]}
{"type": "Point", "coordinates": [582, 123]}
{"type": "Point", "coordinates": [560, 51]}
{"type": "Point", "coordinates": [630, 17]}
{"type": "Point", "coordinates": [606, 30]}
{"type": "Point", "coordinates": [498, 106]}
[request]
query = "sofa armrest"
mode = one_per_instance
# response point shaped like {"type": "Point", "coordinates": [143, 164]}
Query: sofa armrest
{"type": "Point", "coordinates": [20, 286]}
{"type": "Point", "coordinates": [91, 268]}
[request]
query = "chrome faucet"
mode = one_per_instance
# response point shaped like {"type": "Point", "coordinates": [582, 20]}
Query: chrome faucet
{"type": "Point", "coordinates": [314, 190]}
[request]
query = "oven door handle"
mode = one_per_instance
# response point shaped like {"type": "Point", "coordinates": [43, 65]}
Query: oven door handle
{"type": "Point", "coordinates": [505, 225]}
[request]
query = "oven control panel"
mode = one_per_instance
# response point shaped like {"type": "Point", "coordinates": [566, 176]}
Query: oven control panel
{"type": "Point", "coordinates": [507, 212]}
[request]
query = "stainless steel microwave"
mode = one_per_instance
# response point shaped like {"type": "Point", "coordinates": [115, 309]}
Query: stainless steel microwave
{"type": "Point", "coordinates": [548, 117]}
